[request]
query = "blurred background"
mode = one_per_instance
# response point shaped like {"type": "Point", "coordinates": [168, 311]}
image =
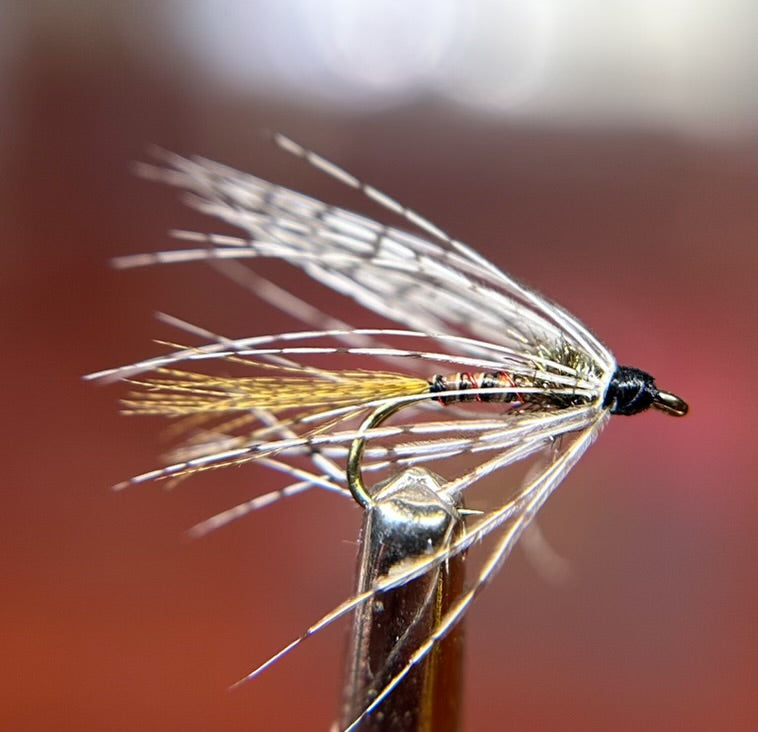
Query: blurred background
{"type": "Point", "coordinates": [606, 154]}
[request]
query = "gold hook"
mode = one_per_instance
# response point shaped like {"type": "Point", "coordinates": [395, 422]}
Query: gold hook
{"type": "Point", "coordinates": [353, 472]}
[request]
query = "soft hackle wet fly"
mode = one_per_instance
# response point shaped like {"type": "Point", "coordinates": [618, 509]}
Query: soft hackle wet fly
{"type": "Point", "coordinates": [483, 369]}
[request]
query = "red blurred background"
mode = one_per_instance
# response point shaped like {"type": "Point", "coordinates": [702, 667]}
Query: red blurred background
{"type": "Point", "coordinates": [645, 229]}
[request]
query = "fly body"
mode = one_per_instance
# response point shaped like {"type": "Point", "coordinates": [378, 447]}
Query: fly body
{"type": "Point", "coordinates": [483, 368]}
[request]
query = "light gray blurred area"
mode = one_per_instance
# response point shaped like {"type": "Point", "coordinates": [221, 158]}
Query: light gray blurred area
{"type": "Point", "coordinates": [657, 64]}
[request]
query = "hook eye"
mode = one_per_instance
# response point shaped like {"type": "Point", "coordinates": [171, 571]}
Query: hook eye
{"type": "Point", "coordinates": [670, 403]}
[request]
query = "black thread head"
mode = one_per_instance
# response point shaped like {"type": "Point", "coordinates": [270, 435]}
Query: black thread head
{"type": "Point", "coordinates": [632, 391]}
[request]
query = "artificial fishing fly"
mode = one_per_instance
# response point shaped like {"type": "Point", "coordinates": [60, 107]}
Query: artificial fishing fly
{"type": "Point", "coordinates": [483, 369]}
